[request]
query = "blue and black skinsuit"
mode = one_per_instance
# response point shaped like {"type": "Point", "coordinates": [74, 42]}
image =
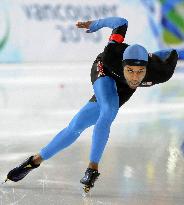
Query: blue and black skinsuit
{"type": "Point", "coordinates": [110, 90]}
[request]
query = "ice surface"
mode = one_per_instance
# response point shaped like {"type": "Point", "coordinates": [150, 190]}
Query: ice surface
{"type": "Point", "coordinates": [142, 163]}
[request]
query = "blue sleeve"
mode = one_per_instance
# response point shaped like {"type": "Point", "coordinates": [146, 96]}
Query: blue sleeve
{"type": "Point", "coordinates": [110, 22]}
{"type": "Point", "coordinates": [164, 54]}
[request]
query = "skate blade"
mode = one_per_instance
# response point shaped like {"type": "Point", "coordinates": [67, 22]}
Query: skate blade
{"type": "Point", "coordinates": [86, 189]}
{"type": "Point", "coordinates": [5, 181]}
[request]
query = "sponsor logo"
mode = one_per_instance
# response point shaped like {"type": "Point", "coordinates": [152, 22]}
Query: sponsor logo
{"type": "Point", "coordinates": [146, 83]}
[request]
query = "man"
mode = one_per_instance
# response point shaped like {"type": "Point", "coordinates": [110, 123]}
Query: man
{"type": "Point", "coordinates": [115, 75]}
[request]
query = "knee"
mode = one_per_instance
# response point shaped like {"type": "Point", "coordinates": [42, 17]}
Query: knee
{"type": "Point", "coordinates": [109, 112]}
{"type": "Point", "coordinates": [74, 127]}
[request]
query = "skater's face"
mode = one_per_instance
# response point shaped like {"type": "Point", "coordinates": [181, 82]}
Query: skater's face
{"type": "Point", "coordinates": [134, 75]}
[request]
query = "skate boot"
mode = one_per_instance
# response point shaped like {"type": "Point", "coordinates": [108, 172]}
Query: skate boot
{"type": "Point", "coordinates": [91, 175]}
{"type": "Point", "coordinates": [22, 170]}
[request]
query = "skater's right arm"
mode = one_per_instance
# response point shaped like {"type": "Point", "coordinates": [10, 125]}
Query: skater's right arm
{"type": "Point", "coordinates": [113, 50]}
{"type": "Point", "coordinates": [118, 24]}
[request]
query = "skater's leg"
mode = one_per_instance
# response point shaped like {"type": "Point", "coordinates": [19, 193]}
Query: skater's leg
{"type": "Point", "coordinates": [108, 100]}
{"type": "Point", "coordinates": [86, 117]}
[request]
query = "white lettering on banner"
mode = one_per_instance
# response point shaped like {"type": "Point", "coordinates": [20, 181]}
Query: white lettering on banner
{"type": "Point", "coordinates": [71, 34]}
{"type": "Point", "coordinates": [68, 14]}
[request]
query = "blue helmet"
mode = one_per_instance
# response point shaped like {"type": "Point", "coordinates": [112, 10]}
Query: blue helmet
{"type": "Point", "coordinates": [135, 55]}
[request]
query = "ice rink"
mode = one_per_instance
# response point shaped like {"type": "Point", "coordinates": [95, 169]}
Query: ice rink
{"type": "Point", "coordinates": [142, 163]}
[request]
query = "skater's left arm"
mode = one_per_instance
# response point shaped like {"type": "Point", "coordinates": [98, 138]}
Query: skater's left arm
{"type": "Point", "coordinates": [160, 71]}
{"type": "Point", "coordinates": [167, 67]}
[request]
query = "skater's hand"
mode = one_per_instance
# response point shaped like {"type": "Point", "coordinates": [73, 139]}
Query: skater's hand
{"type": "Point", "coordinates": [84, 24]}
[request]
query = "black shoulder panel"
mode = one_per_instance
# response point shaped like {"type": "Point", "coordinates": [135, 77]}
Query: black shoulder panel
{"type": "Point", "coordinates": [120, 30]}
